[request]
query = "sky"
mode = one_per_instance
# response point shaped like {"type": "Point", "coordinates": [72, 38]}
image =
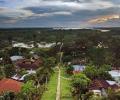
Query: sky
{"type": "Point", "coordinates": [59, 13]}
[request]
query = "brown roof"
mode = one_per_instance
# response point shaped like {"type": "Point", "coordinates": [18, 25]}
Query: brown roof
{"type": "Point", "coordinates": [98, 84]}
{"type": "Point", "coordinates": [10, 85]}
{"type": "Point", "coordinates": [28, 64]}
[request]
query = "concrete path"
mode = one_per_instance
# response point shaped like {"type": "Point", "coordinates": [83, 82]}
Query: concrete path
{"type": "Point", "coordinates": [58, 86]}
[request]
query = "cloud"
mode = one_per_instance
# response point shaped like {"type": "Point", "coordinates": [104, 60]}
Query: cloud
{"type": "Point", "coordinates": [59, 12]}
{"type": "Point", "coordinates": [53, 13]}
{"type": "Point", "coordinates": [72, 5]}
{"type": "Point", "coordinates": [2, 1]}
{"type": "Point", "coordinates": [14, 15]}
{"type": "Point", "coordinates": [103, 19]}
{"type": "Point", "coordinates": [10, 21]}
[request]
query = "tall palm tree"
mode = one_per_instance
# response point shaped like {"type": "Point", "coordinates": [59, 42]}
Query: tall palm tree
{"type": "Point", "coordinates": [34, 40]}
{"type": "Point", "coordinates": [10, 39]}
{"type": "Point", "coordinates": [46, 70]}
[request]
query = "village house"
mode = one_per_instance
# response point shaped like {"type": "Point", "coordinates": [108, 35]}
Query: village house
{"type": "Point", "coordinates": [29, 64]}
{"type": "Point", "coordinates": [116, 75]}
{"type": "Point", "coordinates": [99, 87]}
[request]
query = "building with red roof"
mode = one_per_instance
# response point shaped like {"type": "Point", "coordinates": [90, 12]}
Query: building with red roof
{"type": "Point", "coordinates": [10, 85]}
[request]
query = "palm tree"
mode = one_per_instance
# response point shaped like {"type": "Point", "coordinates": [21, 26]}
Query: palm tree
{"type": "Point", "coordinates": [9, 38]}
{"type": "Point", "coordinates": [6, 57]}
{"type": "Point", "coordinates": [34, 40]}
{"type": "Point", "coordinates": [28, 90]}
{"type": "Point", "coordinates": [44, 72]}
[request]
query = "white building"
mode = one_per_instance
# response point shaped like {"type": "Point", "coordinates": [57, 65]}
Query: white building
{"type": "Point", "coordinates": [15, 58]}
{"type": "Point", "coordinates": [21, 78]}
{"type": "Point", "coordinates": [116, 75]}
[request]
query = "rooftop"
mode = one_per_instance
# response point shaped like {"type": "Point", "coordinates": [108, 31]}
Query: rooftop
{"type": "Point", "coordinates": [29, 64]}
{"type": "Point", "coordinates": [99, 84]}
{"type": "Point", "coordinates": [15, 58]}
{"type": "Point", "coordinates": [10, 85]}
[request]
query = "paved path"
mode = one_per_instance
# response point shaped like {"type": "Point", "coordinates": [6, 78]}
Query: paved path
{"type": "Point", "coordinates": [58, 86]}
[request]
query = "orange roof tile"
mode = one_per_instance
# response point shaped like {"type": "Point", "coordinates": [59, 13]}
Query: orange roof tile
{"type": "Point", "coordinates": [10, 85]}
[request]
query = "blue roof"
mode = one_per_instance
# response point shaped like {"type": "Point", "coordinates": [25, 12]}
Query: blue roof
{"type": "Point", "coordinates": [78, 67]}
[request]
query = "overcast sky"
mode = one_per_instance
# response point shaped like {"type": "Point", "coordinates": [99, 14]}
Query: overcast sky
{"type": "Point", "coordinates": [59, 13]}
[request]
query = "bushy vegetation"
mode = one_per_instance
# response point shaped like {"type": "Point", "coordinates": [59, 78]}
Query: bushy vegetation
{"type": "Point", "coordinates": [97, 73]}
{"type": "Point", "coordinates": [80, 83]}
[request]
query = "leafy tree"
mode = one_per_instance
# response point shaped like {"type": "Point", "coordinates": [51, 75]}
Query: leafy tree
{"type": "Point", "coordinates": [34, 40]}
{"type": "Point", "coordinates": [51, 61]}
{"type": "Point", "coordinates": [103, 74]}
{"type": "Point", "coordinates": [112, 95]}
{"type": "Point", "coordinates": [40, 87]}
{"type": "Point", "coordinates": [6, 57]}
{"type": "Point", "coordinates": [8, 96]}
{"type": "Point", "coordinates": [114, 47]}
{"type": "Point", "coordinates": [106, 67]}
{"type": "Point", "coordinates": [67, 58]}
{"type": "Point", "coordinates": [40, 52]}
{"type": "Point", "coordinates": [97, 56]}
{"type": "Point", "coordinates": [28, 90]}
{"type": "Point", "coordinates": [69, 69]}
{"type": "Point", "coordinates": [2, 74]}
{"type": "Point", "coordinates": [9, 70]}
{"type": "Point", "coordinates": [79, 85]}
{"type": "Point", "coordinates": [97, 73]}
{"type": "Point", "coordinates": [44, 72]}
{"type": "Point", "coordinates": [91, 72]}
{"type": "Point", "coordinates": [30, 77]}
{"type": "Point", "coordinates": [10, 40]}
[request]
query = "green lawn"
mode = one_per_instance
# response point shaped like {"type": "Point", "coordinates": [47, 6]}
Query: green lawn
{"type": "Point", "coordinates": [50, 94]}
{"type": "Point", "coordinates": [65, 86]}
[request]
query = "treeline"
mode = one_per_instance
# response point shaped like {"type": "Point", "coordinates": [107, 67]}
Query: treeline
{"type": "Point", "coordinates": [48, 34]}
